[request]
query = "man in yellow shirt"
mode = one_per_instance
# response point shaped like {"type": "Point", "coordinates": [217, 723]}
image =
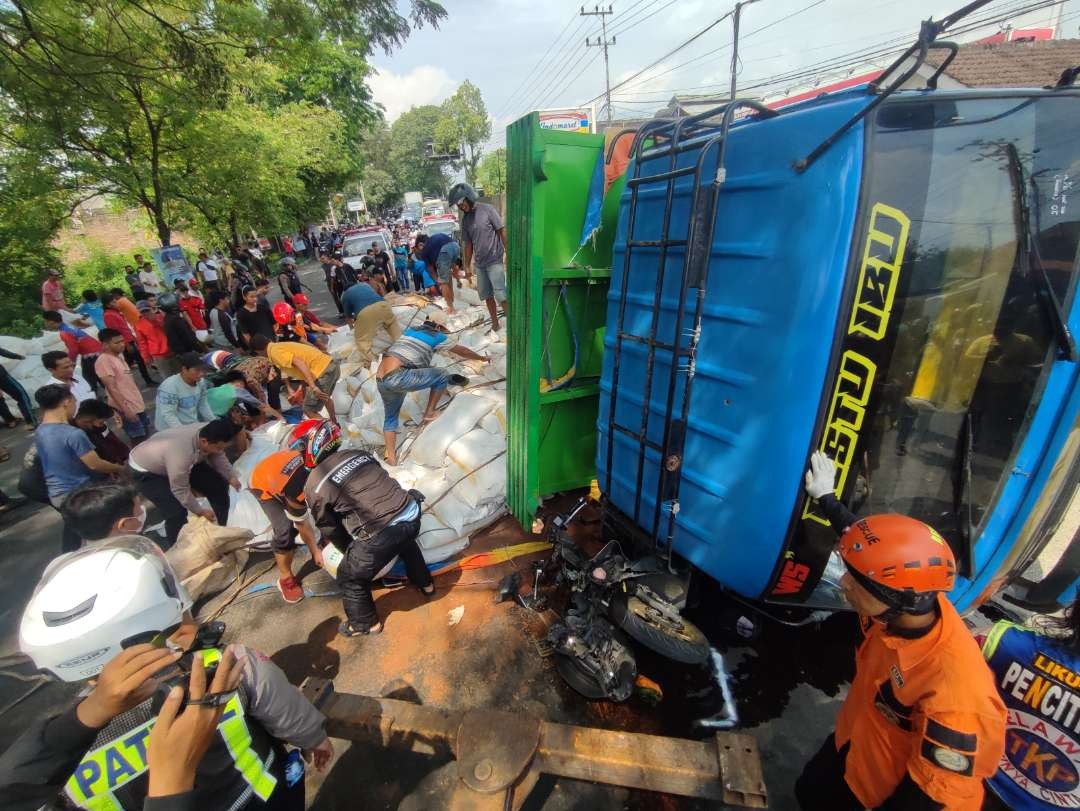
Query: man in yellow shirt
{"type": "Point", "coordinates": [302, 361]}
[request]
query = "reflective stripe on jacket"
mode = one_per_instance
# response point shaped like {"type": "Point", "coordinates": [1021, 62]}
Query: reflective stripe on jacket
{"type": "Point", "coordinates": [112, 775]}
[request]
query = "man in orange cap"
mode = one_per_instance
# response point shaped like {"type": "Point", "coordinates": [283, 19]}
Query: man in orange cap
{"type": "Point", "coordinates": [278, 482]}
{"type": "Point", "coordinates": [922, 725]}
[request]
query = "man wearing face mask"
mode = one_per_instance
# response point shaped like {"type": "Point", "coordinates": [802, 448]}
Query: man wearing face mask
{"type": "Point", "coordinates": [922, 725]}
{"type": "Point", "coordinates": [105, 510]}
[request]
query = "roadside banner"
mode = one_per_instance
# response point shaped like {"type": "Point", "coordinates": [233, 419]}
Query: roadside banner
{"type": "Point", "coordinates": [172, 264]}
{"type": "Point", "coordinates": [576, 120]}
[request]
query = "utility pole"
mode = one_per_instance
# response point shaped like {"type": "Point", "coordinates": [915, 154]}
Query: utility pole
{"type": "Point", "coordinates": [602, 42]}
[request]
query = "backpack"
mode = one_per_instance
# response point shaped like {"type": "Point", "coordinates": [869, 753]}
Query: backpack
{"type": "Point", "coordinates": [32, 478]}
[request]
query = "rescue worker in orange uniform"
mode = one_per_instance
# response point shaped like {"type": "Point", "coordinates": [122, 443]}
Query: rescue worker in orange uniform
{"type": "Point", "coordinates": [278, 482]}
{"type": "Point", "coordinates": [922, 725]}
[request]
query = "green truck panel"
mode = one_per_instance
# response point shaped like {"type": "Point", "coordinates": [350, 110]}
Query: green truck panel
{"type": "Point", "coordinates": [557, 293]}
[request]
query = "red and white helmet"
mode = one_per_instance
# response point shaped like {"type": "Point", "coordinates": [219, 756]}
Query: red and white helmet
{"type": "Point", "coordinates": [283, 312]}
{"type": "Point", "coordinates": [315, 440]}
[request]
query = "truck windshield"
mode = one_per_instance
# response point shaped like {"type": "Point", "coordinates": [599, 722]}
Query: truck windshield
{"type": "Point", "coordinates": [953, 334]}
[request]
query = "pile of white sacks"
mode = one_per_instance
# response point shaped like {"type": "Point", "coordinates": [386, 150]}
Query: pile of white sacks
{"type": "Point", "coordinates": [29, 372]}
{"type": "Point", "coordinates": [458, 461]}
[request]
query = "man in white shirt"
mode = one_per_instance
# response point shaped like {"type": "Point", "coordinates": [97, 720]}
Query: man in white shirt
{"type": "Point", "coordinates": [208, 269]}
{"type": "Point", "coordinates": [151, 282]}
{"type": "Point", "coordinates": [65, 373]}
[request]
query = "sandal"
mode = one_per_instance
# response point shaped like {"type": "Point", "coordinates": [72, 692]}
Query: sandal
{"type": "Point", "coordinates": [348, 629]}
{"type": "Point", "coordinates": [427, 594]}
{"type": "Point", "coordinates": [5, 454]}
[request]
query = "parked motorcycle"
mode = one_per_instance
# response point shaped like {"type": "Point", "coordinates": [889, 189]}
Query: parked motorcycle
{"type": "Point", "coordinates": [613, 598]}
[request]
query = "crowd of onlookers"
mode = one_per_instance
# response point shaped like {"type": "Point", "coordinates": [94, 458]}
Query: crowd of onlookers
{"type": "Point", "coordinates": [218, 358]}
{"type": "Point", "coordinates": [213, 352]}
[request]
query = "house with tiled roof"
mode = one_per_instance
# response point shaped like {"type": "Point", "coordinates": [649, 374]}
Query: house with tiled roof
{"type": "Point", "coordinates": [1018, 63]}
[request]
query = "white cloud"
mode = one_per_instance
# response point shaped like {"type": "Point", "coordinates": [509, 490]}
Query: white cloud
{"type": "Point", "coordinates": [397, 93]}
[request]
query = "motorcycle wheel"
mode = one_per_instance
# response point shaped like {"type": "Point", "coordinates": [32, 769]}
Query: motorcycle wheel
{"type": "Point", "coordinates": [586, 683]}
{"type": "Point", "coordinates": [686, 644]}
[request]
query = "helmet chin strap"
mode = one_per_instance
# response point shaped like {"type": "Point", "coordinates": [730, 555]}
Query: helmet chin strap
{"type": "Point", "coordinates": [887, 616]}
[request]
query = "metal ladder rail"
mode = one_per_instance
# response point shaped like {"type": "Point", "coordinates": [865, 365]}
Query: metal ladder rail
{"type": "Point", "coordinates": [669, 178]}
{"type": "Point", "coordinates": [636, 149]}
{"type": "Point", "coordinates": [682, 127]}
{"type": "Point", "coordinates": [682, 130]}
{"type": "Point", "coordinates": [695, 274]}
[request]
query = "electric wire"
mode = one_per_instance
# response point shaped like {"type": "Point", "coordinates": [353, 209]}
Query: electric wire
{"type": "Point", "coordinates": [890, 47]}
{"type": "Point", "coordinates": [537, 74]}
{"type": "Point", "coordinates": [546, 94]}
{"type": "Point", "coordinates": [573, 79]}
{"type": "Point", "coordinates": [697, 36]}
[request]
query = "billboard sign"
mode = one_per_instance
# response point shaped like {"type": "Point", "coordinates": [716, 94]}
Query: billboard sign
{"type": "Point", "coordinates": [355, 205]}
{"type": "Point", "coordinates": [576, 120]}
{"type": "Point", "coordinates": [172, 264]}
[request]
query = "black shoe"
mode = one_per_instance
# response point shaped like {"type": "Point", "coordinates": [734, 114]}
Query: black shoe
{"type": "Point", "coordinates": [13, 504]}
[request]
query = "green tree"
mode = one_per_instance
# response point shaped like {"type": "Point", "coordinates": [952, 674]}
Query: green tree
{"type": "Point", "coordinates": [34, 202]}
{"type": "Point", "coordinates": [410, 165]}
{"type": "Point", "coordinates": [265, 169]}
{"type": "Point", "coordinates": [464, 127]}
{"type": "Point", "coordinates": [491, 174]}
{"type": "Point", "coordinates": [115, 93]}
{"type": "Point", "coordinates": [381, 189]}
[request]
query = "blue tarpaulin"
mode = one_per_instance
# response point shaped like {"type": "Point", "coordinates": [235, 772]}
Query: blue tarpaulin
{"type": "Point", "coordinates": [595, 205]}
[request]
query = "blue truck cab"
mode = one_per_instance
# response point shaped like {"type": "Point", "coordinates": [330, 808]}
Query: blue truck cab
{"type": "Point", "coordinates": [904, 303]}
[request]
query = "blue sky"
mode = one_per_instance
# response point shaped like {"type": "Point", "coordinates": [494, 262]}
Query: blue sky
{"type": "Point", "coordinates": [498, 45]}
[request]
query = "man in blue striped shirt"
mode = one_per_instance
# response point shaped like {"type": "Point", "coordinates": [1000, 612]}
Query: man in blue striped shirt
{"type": "Point", "coordinates": [406, 366]}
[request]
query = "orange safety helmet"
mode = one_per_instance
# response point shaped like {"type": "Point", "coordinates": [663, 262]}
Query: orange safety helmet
{"type": "Point", "coordinates": [901, 561]}
{"type": "Point", "coordinates": [282, 473]}
{"type": "Point", "coordinates": [315, 440]}
{"type": "Point", "coordinates": [283, 312]}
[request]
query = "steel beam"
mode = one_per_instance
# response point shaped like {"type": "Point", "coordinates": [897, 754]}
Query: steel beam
{"type": "Point", "coordinates": [500, 755]}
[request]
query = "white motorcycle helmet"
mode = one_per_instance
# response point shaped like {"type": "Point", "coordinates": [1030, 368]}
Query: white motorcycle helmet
{"type": "Point", "coordinates": [93, 603]}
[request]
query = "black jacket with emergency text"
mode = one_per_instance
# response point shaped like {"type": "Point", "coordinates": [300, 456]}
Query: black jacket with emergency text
{"type": "Point", "coordinates": [351, 497]}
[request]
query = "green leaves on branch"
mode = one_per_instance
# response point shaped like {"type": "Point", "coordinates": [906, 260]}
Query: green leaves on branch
{"type": "Point", "coordinates": [218, 116]}
{"type": "Point", "coordinates": [407, 157]}
{"type": "Point", "coordinates": [464, 127]}
{"type": "Point", "coordinates": [491, 174]}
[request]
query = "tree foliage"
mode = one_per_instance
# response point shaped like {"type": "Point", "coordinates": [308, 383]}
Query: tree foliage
{"type": "Point", "coordinates": [407, 155]}
{"type": "Point", "coordinates": [491, 174]}
{"type": "Point", "coordinates": [34, 200]}
{"type": "Point", "coordinates": [226, 116]}
{"type": "Point", "coordinates": [464, 127]}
